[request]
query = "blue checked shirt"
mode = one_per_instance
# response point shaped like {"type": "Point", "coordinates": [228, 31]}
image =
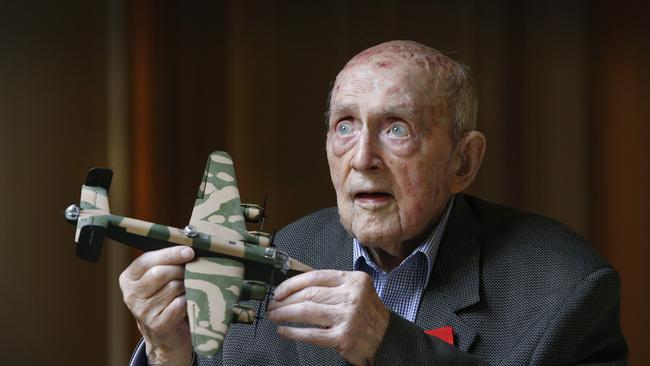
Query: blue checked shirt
{"type": "Point", "coordinates": [401, 289]}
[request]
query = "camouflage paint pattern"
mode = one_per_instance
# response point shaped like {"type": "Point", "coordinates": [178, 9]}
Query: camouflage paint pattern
{"type": "Point", "coordinates": [217, 201]}
{"type": "Point", "coordinates": [94, 208]}
{"type": "Point", "coordinates": [214, 285]}
{"type": "Point", "coordinates": [175, 236]}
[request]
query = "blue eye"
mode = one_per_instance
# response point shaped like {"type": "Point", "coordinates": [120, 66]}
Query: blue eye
{"type": "Point", "coordinates": [398, 130]}
{"type": "Point", "coordinates": [344, 128]}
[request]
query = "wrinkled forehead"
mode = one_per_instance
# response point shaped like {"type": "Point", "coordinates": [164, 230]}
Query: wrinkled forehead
{"type": "Point", "coordinates": [385, 81]}
{"type": "Point", "coordinates": [395, 80]}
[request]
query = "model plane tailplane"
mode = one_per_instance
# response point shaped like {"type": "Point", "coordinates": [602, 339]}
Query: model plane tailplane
{"type": "Point", "coordinates": [89, 244]}
{"type": "Point", "coordinates": [99, 177]}
{"type": "Point", "coordinates": [92, 214]}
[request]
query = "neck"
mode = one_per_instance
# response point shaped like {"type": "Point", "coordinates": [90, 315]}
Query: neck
{"type": "Point", "coordinates": [385, 260]}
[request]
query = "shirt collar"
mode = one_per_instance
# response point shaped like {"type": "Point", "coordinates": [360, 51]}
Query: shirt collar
{"type": "Point", "coordinates": [428, 248]}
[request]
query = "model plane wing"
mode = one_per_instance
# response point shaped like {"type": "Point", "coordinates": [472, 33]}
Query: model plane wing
{"type": "Point", "coordinates": [217, 209]}
{"type": "Point", "coordinates": [213, 285]}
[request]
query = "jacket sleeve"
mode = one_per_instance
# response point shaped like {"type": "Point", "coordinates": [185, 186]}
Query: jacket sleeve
{"type": "Point", "coordinates": [584, 330]}
{"type": "Point", "coordinates": [139, 357]}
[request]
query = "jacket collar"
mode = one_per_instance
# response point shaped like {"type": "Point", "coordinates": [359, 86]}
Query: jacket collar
{"type": "Point", "coordinates": [455, 282]}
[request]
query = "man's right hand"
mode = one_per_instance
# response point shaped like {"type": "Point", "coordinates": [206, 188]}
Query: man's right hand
{"type": "Point", "coordinates": [153, 290]}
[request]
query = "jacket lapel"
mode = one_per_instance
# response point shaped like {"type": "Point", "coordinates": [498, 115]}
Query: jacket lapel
{"type": "Point", "coordinates": [335, 252]}
{"type": "Point", "coordinates": [455, 279]}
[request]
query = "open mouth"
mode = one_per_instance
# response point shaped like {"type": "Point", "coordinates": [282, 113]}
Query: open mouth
{"type": "Point", "coordinates": [372, 196]}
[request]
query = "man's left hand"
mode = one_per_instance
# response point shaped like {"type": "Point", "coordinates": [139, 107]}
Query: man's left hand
{"type": "Point", "coordinates": [348, 315]}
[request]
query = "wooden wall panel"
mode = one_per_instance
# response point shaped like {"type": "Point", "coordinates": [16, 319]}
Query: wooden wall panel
{"type": "Point", "coordinates": [52, 129]}
{"type": "Point", "coordinates": [621, 83]}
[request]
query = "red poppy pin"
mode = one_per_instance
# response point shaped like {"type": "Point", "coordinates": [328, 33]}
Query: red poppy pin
{"type": "Point", "coordinates": [445, 334]}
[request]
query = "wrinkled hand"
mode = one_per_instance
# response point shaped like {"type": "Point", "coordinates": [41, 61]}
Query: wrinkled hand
{"type": "Point", "coordinates": [153, 290]}
{"type": "Point", "coordinates": [348, 315]}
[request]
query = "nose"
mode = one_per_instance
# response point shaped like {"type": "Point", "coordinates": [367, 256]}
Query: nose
{"type": "Point", "coordinates": [366, 154]}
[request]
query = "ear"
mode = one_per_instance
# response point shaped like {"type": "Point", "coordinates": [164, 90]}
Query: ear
{"type": "Point", "coordinates": [469, 156]}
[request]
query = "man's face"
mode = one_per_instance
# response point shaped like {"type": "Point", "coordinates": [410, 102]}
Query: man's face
{"type": "Point", "coordinates": [389, 151]}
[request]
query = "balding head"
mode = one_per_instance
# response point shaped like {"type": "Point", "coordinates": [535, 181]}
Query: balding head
{"type": "Point", "coordinates": [448, 82]}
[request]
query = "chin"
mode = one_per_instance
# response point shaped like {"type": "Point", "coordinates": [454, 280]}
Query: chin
{"type": "Point", "coordinates": [377, 231]}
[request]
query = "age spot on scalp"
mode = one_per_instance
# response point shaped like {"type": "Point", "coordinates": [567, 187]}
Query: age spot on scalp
{"type": "Point", "coordinates": [383, 64]}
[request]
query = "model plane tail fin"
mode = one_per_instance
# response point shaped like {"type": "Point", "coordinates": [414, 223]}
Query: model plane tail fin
{"type": "Point", "coordinates": [93, 214]}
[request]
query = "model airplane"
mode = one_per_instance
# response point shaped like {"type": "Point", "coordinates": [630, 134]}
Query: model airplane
{"type": "Point", "coordinates": [231, 265]}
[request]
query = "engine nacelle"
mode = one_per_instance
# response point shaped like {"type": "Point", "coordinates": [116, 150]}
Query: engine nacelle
{"type": "Point", "coordinates": [252, 212]}
{"type": "Point", "coordinates": [261, 238]}
{"type": "Point", "coordinates": [244, 314]}
{"type": "Point", "coordinates": [253, 290]}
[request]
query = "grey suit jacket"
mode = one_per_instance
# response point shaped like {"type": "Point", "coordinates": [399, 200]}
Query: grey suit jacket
{"type": "Point", "coordinates": [517, 289]}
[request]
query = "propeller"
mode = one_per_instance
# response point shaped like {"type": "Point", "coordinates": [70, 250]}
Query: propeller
{"type": "Point", "coordinates": [263, 211]}
{"type": "Point", "coordinates": [269, 297]}
{"type": "Point", "coordinates": [271, 244]}
{"type": "Point", "coordinates": [269, 293]}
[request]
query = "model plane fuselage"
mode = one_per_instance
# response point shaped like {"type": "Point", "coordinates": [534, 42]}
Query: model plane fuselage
{"type": "Point", "coordinates": [231, 265]}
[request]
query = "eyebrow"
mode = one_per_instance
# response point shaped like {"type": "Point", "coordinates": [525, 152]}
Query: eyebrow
{"type": "Point", "coordinates": [403, 109]}
{"type": "Point", "coordinates": [343, 109]}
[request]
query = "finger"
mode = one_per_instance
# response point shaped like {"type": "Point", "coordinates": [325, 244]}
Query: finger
{"type": "Point", "coordinates": [175, 312]}
{"type": "Point", "coordinates": [147, 309]}
{"type": "Point", "coordinates": [318, 294]}
{"type": "Point", "coordinates": [327, 278]}
{"type": "Point", "coordinates": [161, 299]}
{"type": "Point", "coordinates": [173, 255]}
{"type": "Point", "coordinates": [306, 312]}
{"type": "Point", "coordinates": [156, 277]}
{"type": "Point", "coordinates": [172, 315]}
{"type": "Point", "coordinates": [315, 336]}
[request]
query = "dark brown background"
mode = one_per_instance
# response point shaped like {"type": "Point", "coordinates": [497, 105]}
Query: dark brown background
{"type": "Point", "coordinates": [151, 87]}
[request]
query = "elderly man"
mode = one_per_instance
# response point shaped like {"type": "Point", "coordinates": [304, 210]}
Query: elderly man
{"type": "Point", "coordinates": [413, 271]}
